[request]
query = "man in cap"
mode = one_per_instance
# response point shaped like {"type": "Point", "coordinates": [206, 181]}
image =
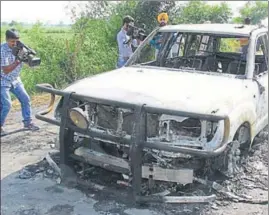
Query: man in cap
{"type": "Point", "coordinates": [157, 40]}
{"type": "Point", "coordinates": [162, 19]}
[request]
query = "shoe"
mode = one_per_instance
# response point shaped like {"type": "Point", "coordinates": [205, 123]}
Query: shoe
{"type": "Point", "coordinates": [31, 127]}
{"type": "Point", "coordinates": [3, 133]}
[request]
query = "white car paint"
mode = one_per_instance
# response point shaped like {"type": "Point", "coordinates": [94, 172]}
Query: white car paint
{"type": "Point", "coordinates": [167, 89]}
{"type": "Point", "coordinates": [186, 91]}
{"type": "Point", "coordinates": [225, 29]}
{"type": "Point", "coordinates": [204, 93]}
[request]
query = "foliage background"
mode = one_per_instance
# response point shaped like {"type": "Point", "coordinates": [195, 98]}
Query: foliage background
{"type": "Point", "coordinates": [89, 46]}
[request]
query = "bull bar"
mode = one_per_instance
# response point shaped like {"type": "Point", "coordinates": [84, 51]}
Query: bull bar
{"type": "Point", "coordinates": [137, 141]}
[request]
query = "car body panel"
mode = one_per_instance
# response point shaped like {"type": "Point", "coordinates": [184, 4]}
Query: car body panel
{"type": "Point", "coordinates": [224, 29]}
{"type": "Point", "coordinates": [194, 91]}
{"type": "Point", "coordinates": [170, 112]}
{"type": "Point", "coordinates": [167, 89]}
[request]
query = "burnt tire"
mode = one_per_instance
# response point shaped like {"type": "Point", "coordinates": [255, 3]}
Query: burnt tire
{"type": "Point", "coordinates": [230, 162]}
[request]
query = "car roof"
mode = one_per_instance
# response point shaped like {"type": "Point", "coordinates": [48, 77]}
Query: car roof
{"type": "Point", "coordinates": [222, 29]}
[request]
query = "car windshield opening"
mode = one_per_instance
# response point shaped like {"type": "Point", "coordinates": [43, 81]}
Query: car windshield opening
{"type": "Point", "coordinates": [194, 51]}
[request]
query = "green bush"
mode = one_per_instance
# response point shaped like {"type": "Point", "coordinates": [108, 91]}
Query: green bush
{"type": "Point", "coordinates": [68, 54]}
{"type": "Point", "coordinates": [89, 46]}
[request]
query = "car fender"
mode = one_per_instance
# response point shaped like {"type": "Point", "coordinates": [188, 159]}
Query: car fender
{"type": "Point", "coordinates": [245, 112]}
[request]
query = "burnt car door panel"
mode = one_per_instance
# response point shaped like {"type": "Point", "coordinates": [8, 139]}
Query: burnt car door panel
{"type": "Point", "coordinates": [261, 80]}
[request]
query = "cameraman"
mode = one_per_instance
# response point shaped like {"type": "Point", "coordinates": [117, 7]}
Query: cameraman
{"type": "Point", "coordinates": [125, 42]}
{"type": "Point", "coordinates": [11, 82]}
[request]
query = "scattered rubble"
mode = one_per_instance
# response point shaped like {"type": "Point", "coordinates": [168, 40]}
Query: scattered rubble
{"type": "Point", "coordinates": [218, 191]}
{"type": "Point", "coordinates": [53, 164]}
{"type": "Point", "coordinates": [227, 190]}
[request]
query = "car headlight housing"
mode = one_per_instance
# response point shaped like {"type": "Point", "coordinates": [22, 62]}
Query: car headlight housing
{"type": "Point", "coordinates": [79, 118]}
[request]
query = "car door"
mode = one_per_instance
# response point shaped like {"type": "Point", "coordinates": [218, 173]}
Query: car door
{"type": "Point", "coordinates": [261, 79]}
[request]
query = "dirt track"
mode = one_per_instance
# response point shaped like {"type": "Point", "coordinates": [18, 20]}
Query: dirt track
{"type": "Point", "coordinates": [34, 191]}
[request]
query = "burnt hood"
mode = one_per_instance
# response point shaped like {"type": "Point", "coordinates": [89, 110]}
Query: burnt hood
{"type": "Point", "coordinates": [179, 90]}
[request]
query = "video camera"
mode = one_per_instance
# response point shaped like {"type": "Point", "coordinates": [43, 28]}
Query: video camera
{"type": "Point", "coordinates": [136, 33]}
{"type": "Point", "coordinates": [25, 54]}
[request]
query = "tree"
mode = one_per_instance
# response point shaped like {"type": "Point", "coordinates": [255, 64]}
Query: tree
{"type": "Point", "coordinates": [219, 13]}
{"type": "Point", "coordinates": [193, 12]}
{"type": "Point", "coordinates": [13, 23]}
{"type": "Point", "coordinates": [256, 11]}
{"type": "Point", "coordinates": [142, 11]}
{"type": "Point", "coordinates": [146, 12]}
{"type": "Point", "coordinates": [97, 24]}
{"type": "Point", "coordinates": [196, 12]}
{"type": "Point", "coordinates": [89, 9]}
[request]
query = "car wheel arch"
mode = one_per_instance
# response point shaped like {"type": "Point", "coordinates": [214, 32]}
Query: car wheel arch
{"type": "Point", "coordinates": [245, 138]}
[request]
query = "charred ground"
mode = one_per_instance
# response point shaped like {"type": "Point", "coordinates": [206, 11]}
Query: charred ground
{"type": "Point", "coordinates": [30, 186]}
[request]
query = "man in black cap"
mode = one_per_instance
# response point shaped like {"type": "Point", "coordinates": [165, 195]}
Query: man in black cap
{"type": "Point", "coordinates": [11, 82]}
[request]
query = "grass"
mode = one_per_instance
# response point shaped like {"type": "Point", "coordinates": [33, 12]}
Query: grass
{"type": "Point", "coordinates": [37, 100]}
{"type": "Point", "coordinates": [33, 37]}
{"type": "Point", "coordinates": [56, 32]}
{"type": "Point", "coordinates": [67, 54]}
{"type": "Point", "coordinates": [42, 99]}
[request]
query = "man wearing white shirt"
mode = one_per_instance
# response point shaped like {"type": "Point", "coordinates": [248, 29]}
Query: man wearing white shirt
{"type": "Point", "coordinates": [125, 42]}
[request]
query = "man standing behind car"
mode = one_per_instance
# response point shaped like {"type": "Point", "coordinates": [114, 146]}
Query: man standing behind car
{"type": "Point", "coordinates": [125, 42]}
{"type": "Point", "coordinates": [158, 39]}
{"type": "Point", "coordinates": [11, 82]}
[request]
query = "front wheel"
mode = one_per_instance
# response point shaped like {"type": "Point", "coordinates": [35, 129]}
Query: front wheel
{"type": "Point", "coordinates": [231, 161]}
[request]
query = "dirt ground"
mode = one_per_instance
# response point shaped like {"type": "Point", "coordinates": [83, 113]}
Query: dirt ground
{"type": "Point", "coordinates": [30, 187]}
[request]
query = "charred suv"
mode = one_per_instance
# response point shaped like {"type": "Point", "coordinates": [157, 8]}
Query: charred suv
{"type": "Point", "coordinates": [202, 95]}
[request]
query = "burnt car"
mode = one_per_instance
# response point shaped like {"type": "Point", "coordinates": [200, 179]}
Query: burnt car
{"type": "Point", "coordinates": [202, 96]}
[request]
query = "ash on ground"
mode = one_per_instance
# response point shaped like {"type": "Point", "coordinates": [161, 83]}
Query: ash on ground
{"type": "Point", "coordinates": [104, 185]}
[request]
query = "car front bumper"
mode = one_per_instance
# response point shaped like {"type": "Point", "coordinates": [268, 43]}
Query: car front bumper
{"type": "Point", "coordinates": [136, 142]}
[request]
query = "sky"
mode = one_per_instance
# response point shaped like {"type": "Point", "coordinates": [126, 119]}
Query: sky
{"type": "Point", "coordinates": [54, 12]}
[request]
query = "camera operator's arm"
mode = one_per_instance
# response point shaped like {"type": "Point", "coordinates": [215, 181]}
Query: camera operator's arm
{"type": "Point", "coordinates": [136, 42]}
{"type": "Point", "coordinates": [5, 66]}
{"type": "Point", "coordinates": [11, 67]}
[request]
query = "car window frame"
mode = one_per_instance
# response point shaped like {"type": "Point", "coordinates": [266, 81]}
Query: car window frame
{"type": "Point", "coordinates": [255, 76]}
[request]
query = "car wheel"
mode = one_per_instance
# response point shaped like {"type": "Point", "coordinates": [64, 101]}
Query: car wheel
{"type": "Point", "coordinates": [231, 161]}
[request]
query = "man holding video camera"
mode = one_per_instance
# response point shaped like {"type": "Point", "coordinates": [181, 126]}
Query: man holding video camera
{"type": "Point", "coordinates": [125, 41]}
{"type": "Point", "coordinates": [10, 82]}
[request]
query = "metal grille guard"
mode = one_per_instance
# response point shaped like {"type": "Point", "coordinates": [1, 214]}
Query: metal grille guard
{"type": "Point", "coordinates": [137, 141]}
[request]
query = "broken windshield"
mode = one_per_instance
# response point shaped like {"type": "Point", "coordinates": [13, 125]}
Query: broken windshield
{"type": "Point", "coordinates": [193, 51]}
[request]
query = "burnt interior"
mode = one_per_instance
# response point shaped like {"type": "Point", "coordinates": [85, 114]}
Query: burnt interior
{"type": "Point", "coordinates": [203, 52]}
{"type": "Point", "coordinates": [106, 117]}
{"type": "Point", "coordinates": [189, 127]}
{"type": "Point", "coordinates": [229, 63]}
